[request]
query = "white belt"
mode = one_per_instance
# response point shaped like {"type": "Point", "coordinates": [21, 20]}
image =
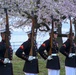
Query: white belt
{"type": "Point", "coordinates": [73, 54]}
{"type": "Point", "coordinates": [10, 61]}
{"type": "Point", "coordinates": [34, 57]}
{"type": "Point", "coordinates": [54, 54]}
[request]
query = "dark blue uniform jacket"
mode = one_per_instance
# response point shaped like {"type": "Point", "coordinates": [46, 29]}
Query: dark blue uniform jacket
{"type": "Point", "coordinates": [5, 69]}
{"type": "Point", "coordinates": [54, 63]}
{"type": "Point", "coordinates": [65, 49]}
{"type": "Point", "coordinates": [23, 53]}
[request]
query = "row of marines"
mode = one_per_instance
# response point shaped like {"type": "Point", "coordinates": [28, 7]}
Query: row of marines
{"type": "Point", "coordinates": [31, 62]}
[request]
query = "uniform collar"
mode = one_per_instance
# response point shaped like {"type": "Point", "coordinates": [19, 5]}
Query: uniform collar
{"type": "Point", "coordinates": [52, 39]}
{"type": "Point", "coordinates": [3, 41]}
{"type": "Point", "coordinates": [29, 39]}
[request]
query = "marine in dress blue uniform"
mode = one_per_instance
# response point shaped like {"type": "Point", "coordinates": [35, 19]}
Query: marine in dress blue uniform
{"type": "Point", "coordinates": [31, 65]}
{"type": "Point", "coordinates": [5, 63]}
{"type": "Point", "coordinates": [70, 60]}
{"type": "Point", "coordinates": [53, 64]}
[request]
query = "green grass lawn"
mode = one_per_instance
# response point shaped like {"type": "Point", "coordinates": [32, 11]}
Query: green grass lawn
{"type": "Point", "coordinates": [19, 63]}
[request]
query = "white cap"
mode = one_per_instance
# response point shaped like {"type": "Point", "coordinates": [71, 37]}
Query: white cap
{"type": "Point", "coordinates": [2, 28]}
{"type": "Point", "coordinates": [1, 31]}
{"type": "Point", "coordinates": [29, 32]}
{"type": "Point", "coordinates": [55, 31]}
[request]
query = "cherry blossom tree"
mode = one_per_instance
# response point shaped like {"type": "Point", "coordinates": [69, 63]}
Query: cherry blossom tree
{"type": "Point", "coordinates": [20, 10]}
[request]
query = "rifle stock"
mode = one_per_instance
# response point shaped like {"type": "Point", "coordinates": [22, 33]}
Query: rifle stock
{"type": "Point", "coordinates": [7, 35]}
{"type": "Point", "coordinates": [32, 36]}
{"type": "Point", "coordinates": [70, 35]}
{"type": "Point", "coordinates": [51, 38]}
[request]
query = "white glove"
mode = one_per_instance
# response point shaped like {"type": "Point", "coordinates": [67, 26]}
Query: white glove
{"type": "Point", "coordinates": [6, 60]}
{"type": "Point", "coordinates": [30, 58]}
{"type": "Point", "coordinates": [49, 57]}
{"type": "Point", "coordinates": [70, 55]}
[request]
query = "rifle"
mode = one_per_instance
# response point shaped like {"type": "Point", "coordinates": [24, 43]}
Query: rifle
{"type": "Point", "coordinates": [9, 67]}
{"type": "Point", "coordinates": [51, 37]}
{"type": "Point", "coordinates": [70, 34]}
{"type": "Point", "coordinates": [7, 35]}
{"type": "Point", "coordinates": [32, 35]}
